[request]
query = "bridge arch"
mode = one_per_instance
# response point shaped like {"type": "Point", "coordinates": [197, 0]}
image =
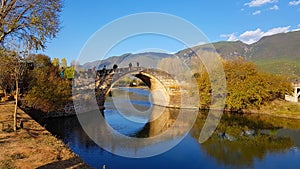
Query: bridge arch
{"type": "Point", "coordinates": [163, 86]}
{"type": "Point", "coordinates": [158, 90]}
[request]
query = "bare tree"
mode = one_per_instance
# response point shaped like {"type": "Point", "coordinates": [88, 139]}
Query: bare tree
{"type": "Point", "coordinates": [15, 67]}
{"type": "Point", "coordinates": [20, 67]}
{"type": "Point", "coordinates": [31, 21]}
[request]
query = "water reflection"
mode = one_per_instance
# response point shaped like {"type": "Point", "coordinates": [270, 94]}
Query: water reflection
{"type": "Point", "coordinates": [240, 141]}
{"type": "Point", "coordinates": [154, 137]}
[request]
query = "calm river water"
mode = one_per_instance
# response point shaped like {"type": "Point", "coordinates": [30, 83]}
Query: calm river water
{"type": "Point", "coordinates": [240, 141]}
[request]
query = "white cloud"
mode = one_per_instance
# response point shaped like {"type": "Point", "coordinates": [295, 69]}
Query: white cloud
{"type": "Point", "coordinates": [231, 37]}
{"type": "Point", "coordinates": [257, 3]}
{"type": "Point", "coordinates": [275, 8]}
{"type": "Point", "coordinates": [277, 30]}
{"type": "Point", "coordinates": [294, 3]}
{"type": "Point", "coordinates": [296, 29]}
{"type": "Point", "coordinates": [256, 12]}
{"type": "Point", "coordinates": [253, 36]}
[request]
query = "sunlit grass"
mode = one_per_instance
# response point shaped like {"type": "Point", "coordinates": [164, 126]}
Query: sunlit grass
{"type": "Point", "coordinates": [282, 108]}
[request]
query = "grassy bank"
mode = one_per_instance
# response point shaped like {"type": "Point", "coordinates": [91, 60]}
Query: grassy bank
{"type": "Point", "coordinates": [32, 146]}
{"type": "Point", "coordinates": [279, 108]}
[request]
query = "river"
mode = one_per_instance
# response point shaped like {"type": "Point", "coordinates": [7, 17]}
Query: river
{"type": "Point", "coordinates": [240, 141]}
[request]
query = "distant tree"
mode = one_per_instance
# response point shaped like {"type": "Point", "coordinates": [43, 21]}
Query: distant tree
{"type": "Point", "coordinates": [69, 73]}
{"type": "Point", "coordinates": [55, 62]}
{"type": "Point", "coordinates": [74, 63]}
{"type": "Point", "coordinates": [64, 63]}
{"type": "Point", "coordinates": [32, 22]}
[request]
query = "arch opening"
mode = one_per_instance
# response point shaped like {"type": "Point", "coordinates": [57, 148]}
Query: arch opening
{"type": "Point", "coordinates": [132, 91]}
{"type": "Point", "coordinates": [159, 92]}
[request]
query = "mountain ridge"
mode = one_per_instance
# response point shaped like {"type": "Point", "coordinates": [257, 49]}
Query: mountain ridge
{"type": "Point", "coordinates": [279, 54]}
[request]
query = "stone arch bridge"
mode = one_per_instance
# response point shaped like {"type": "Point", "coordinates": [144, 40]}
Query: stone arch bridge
{"type": "Point", "coordinates": [164, 88]}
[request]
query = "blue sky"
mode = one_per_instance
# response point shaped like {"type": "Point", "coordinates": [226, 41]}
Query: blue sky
{"type": "Point", "coordinates": [245, 20]}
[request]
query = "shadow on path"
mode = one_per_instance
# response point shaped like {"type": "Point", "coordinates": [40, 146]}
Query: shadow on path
{"type": "Point", "coordinates": [70, 163]}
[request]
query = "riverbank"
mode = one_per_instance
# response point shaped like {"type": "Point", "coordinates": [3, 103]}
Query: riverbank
{"type": "Point", "coordinates": [32, 146]}
{"type": "Point", "coordinates": [279, 108]}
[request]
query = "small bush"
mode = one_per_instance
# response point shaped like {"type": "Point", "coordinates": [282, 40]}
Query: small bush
{"type": "Point", "coordinates": [18, 156]}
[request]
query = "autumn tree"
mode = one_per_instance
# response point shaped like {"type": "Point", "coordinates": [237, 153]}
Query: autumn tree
{"type": "Point", "coordinates": [48, 91]}
{"type": "Point", "coordinates": [55, 62]}
{"type": "Point", "coordinates": [70, 73]}
{"type": "Point", "coordinates": [32, 22]}
{"type": "Point", "coordinates": [247, 88]}
{"type": "Point", "coordinates": [63, 63]}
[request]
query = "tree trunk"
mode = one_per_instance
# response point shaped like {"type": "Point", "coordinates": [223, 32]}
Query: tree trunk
{"type": "Point", "coordinates": [16, 106]}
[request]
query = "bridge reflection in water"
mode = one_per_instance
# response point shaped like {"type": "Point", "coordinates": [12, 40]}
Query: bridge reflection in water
{"type": "Point", "coordinates": [149, 136]}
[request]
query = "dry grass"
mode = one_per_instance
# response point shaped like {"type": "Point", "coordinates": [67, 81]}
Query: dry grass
{"type": "Point", "coordinates": [32, 146]}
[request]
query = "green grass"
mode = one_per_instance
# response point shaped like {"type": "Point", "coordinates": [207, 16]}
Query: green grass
{"type": "Point", "coordinates": [281, 66]}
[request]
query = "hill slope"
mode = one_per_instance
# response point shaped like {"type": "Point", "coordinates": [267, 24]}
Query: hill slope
{"type": "Point", "coordinates": [278, 54]}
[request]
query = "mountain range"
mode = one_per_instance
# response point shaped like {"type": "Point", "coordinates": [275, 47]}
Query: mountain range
{"type": "Point", "coordinates": [278, 54]}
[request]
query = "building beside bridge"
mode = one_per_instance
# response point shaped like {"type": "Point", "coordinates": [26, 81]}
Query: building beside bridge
{"type": "Point", "coordinates": [295, 96]}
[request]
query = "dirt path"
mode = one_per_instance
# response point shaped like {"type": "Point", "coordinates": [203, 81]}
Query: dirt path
{"type": "Point", "coordinates": [32, 146]}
